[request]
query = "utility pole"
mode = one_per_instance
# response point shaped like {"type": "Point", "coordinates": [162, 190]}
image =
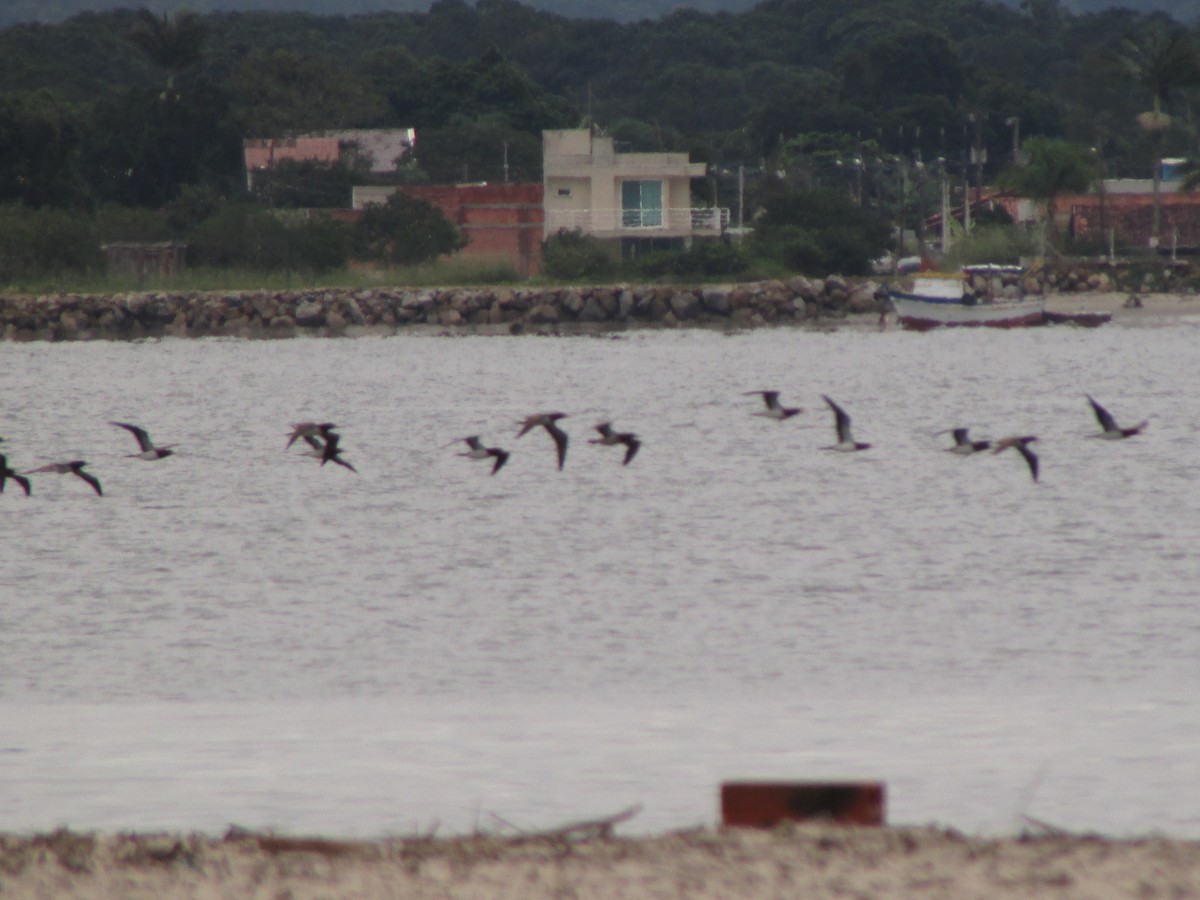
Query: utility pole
{"type": "Point", "coordinates": [919, 172]}
{"type": "Point", "coordinates": [945, 209]}
{"type": "Point", "coordinates": [741, 195]}
{"type": "Point", "coordinates": [966, 185]}
{"type": "Point", "coordinates": [978, 154]}
{"type": "Point", "coordinates": [1014, 122]}
{"type": "Point", "coordinates": [506, 162]}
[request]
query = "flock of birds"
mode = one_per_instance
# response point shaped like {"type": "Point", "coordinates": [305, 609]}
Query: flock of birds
{"type": "Point", "coordinates": [774, 409]}
{"type": "Point", "coordinates": [324, 442]}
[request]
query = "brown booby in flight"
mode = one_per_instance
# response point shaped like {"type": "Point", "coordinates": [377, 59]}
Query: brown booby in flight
{"type": "Point", "coordinates": [963, 445]}
{"type": "Point", "coordinates": [1022, 443]}
{"type": "Point", "coordinates": [478, 451]}
{"type": "Point", "coordinates": [1112, 431]}
{"type": "Point", "coordinates": [846, 442]}
{"type": "Point", "coordinates": [610, 438]}
{"type": "Point", "coordinates": [332, 453]}
{"type": "Point", "coordinates": [549, 422]}
{"type": "Point", "coordinates": [7, 473]}
{"type": "Point", "coordinates": [75, 467]}
{"type": "Point", "coordinates": [774, 409]}
{"type": "Point", "coordinates": [312, 432]}
{"type": "Point", "coordinates": [148, 450]}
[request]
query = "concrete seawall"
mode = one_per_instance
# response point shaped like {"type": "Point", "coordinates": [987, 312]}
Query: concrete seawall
{"type": "Point", "coordinates": [332, 312]}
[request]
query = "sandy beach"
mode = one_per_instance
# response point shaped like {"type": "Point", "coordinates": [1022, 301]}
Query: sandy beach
{"type": "Point", "coordinates": [811, 861]}
{"type": "Point", "coordinates": [1153, 305]}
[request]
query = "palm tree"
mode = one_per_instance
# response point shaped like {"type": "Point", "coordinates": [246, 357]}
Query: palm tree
{"type": "Point", "coordinates": [1052, 167]}
{"type": "Point", "coordinates": [172, 43]}
{"type": "Point", "coordinates": [1162, 60]}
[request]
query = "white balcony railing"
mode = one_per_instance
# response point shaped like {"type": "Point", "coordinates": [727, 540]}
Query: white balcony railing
{"type": "Point", "coordinates": [632, 222]}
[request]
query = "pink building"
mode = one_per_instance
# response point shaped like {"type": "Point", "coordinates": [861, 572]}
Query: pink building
{"type": "Point", "coordinates": [383, 149]}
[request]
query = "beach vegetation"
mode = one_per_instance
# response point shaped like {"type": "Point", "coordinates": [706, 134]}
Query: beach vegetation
{"type": "Point", "coordinates": [820, 231]}
{"type": "Point", "coordinates": [405, 231]}
{"type": "Point", "coordinates": [1053, 167]}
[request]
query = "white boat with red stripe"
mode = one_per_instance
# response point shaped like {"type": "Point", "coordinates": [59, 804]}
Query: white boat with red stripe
{"type": "Point", "coordinates": [989, 296]}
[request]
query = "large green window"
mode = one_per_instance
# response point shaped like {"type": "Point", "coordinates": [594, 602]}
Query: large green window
{"type": "Point", "coordinates": [641, 204]}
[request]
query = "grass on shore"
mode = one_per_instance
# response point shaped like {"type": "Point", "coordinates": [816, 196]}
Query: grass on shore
{"type": "Point", "coordinates": [203, 278]}
{"type": "Point", "coordinates": [455, 272]}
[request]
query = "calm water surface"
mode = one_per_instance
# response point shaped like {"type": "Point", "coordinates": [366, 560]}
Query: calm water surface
{"type": "Point", "coordinates": [236, 634]}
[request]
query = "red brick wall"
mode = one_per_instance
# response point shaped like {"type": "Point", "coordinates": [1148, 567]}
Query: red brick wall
{"type": "Point", "coordinates": [1131, 215]}
{"type": "Point", "coordinates": [499, 220]}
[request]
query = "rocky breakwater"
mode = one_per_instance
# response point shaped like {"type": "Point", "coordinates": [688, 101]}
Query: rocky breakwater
{"type": "Point", "coordinates": [333, 312]}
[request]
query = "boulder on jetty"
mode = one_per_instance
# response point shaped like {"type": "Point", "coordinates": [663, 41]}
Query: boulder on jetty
{"type": "Point", "coordinates": [330, 312]}
{"type": "Point", "coordinates": [337, 311]}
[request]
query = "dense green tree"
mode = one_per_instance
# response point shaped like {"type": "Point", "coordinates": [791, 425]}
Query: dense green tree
{"type": "Point", "coordinates": [500, 87]}
{"type": "Point", "coordinates": [670, 96]}
{"type": "Point", "coordinates": [41, 149]}
{"type": "Point", "coordinates": [1053, 167]}
{"type": "Point", "coordinates": [114, 223]}
{"type": "Point", "coordinates": [283, 92]}
{"type": "Point", "coordinates": [454, 30]}
{"type": "Point", "coordinates": [900, 65]}
{"type": "Point", "coordinates": [703, 259]}
{"type": "Point", "coordinates": [407, 83]}
{"type": "Point", "coordinates": [572, 255]}
{"type": "Point", "coordinates": [172, 43]}
{"type": "Point", "coordinates": [479, 151]}
{"type": "Point", "coordinates": [306, 184]}
{"type": "Point", "coordinates": [146, 145]}
{"type": "Point", "coordinates": [405, 231]}
{"type": "Point", "coordinates": [246, 235]}
{"type": "Point", "coordinates": [820, 231]}
{"type": "Point", "coordinates": [802, 100]}
{"type": "Point", "coordinates": [45, 241]}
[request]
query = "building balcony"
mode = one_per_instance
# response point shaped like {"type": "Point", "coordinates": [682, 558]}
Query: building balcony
{"type": "Point", "coordinates": [611, 223]}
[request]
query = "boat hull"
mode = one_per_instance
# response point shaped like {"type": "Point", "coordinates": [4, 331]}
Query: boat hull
{"type": "Point", "coordinates": [919, 313]}
{"type": "Point", "coordinates": [1082, 319]}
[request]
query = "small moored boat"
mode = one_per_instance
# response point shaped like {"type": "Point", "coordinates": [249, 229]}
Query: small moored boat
{"type": "Point", "coordinates": [983, 295]}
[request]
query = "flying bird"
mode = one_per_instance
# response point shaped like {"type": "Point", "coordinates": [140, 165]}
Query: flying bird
{"type": "Point", "coordinates": [774, 409]}
{"type": "Point", "coordinates": [1112, 431]}
{"type": "Point", "coordinates": [1022, 444]}
{"type": "Point", "coordinates": [75, 467]}
{"type": "Point", "coordinates": [549, 421]}
{"type": "Point", "coordinates": [478, 451]}
{"type": "Point", "coordinates": [963, 445]}
{"type": "Point", "coordinates": [7, 473]}
{"type": "Point", "coordinates": [332, 453]}
{"type": "Point", "coordinates": [312, 432]}
{"type": "Point", "coordinates": [846, 442]}
{"type": "Point", "coordinates": [148, 450]}
{"type": "Point", "coordinates": [610, 438]}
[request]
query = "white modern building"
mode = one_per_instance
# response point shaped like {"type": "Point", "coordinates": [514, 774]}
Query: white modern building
{"type": "Point", "coordinates": [592, 187]}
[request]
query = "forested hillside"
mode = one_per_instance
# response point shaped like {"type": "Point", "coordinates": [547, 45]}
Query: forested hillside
{"type": "Point", "coordinates": [870, 98]}
{"type": "Point", "coordinates": [13, 12]}
{"type": "Point", "coordinates": [910, 75]}
{"type": "Point", "coordinates": [16, 11]}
